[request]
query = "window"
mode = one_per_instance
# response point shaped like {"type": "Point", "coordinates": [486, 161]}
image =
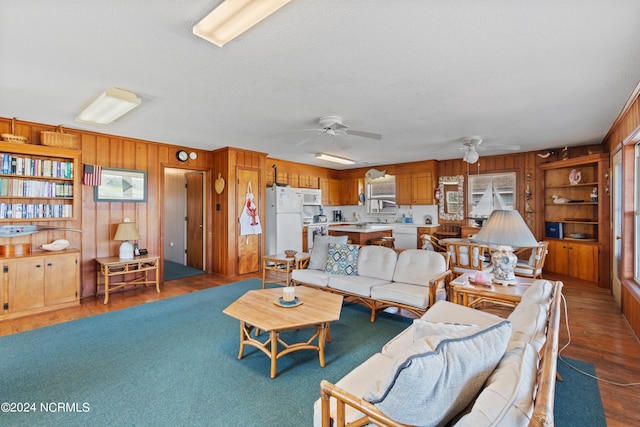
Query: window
{"type": "Point", "coordinates": [488, 192]}
{"type": "Point", "coordinates": [636, 218]}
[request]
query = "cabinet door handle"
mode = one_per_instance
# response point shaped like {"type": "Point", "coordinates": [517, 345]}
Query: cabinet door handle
{"type": "Point", "coordinates": [38, 265]}
{"type": "Point", "coordinates": [49, 265]}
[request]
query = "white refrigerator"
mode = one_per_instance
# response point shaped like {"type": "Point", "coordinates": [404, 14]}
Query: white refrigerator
{"type": "Point", "coordinates": [284, 219]}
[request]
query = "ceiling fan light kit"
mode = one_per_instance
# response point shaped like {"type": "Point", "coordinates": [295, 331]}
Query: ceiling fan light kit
{"type": "Point", "coordinates": [471, 156]}
{"type": "Point", "coordinates": [335, 159]}
{"type": "Point", "coordinates": [233, 17]}
{"type": "Point", "coordinates": [109, 106]}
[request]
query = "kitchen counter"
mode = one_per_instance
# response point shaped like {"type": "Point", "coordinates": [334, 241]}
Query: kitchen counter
{"type": "Point", "coordinates": [356, 229]}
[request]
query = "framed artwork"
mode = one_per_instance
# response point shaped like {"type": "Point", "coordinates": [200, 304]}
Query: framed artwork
{"type": "Point", "coordinates": [121, 185]}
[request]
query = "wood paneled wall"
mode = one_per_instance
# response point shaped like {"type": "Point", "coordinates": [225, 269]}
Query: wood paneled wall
{"type": "Point", "coordinates": [623, 135]}
{"type": "Point", "coordinates": [99, 220]}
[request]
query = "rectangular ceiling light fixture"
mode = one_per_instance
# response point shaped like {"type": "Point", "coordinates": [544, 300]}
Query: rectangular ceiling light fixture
{"type": "Point", "coordinates": [233, 17]}
{"type": "Point", "coordinates": [112, 104]}
{"type": "Point", "coordinates": [335, 159]}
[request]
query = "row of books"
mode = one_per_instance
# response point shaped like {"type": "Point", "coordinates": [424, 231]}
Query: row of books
{"type": "Point", "coordinates": [38, 210]}
{"type": "Point", "coordinates": [27, 188]}
{"type": "Point", "coordinates": [14, 165]}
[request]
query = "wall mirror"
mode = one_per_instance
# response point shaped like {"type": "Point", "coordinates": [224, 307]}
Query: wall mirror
{"type": "Point", "coordinates": [488, 192]}
{"type": "Point", "coordinates": [380, 194]}
{"type": "Point", "coordinates": [451, 206]}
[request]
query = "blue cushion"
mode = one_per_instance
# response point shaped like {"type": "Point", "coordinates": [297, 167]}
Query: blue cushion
{"type": "Point", "coordinates": [342, 259]}
{"type": "Point", "coordinates": [439, 375]}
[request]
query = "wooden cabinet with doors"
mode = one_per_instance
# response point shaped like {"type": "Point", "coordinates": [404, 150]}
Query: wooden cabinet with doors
{"type": "Point", "coordinates": [331, 190]}
{"type": "Point", "coordinates": [415, 189]}
{"type": "Point", "coordinates": [575, 259]}
{"type": "Point", "coordinates": [40, 282]}
{"type": "Point", "coordinates": [576, 208]}
{"type": "Point", "coordinates": [350, 191]}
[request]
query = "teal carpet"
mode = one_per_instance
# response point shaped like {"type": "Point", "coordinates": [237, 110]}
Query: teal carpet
{"type": "Point", "coordinates": [174, 363]}
{"type": "Point", "coordinates": [577, 400]}
{"type": "Point", "coordinates": [173, 271]}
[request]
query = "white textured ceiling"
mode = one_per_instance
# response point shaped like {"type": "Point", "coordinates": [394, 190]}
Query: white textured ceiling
{"type": "Point", "coordinates": [425, 74]}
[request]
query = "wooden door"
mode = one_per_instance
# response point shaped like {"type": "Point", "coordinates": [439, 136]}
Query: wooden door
{"type": "Point", "coordinates": [249, 245]}
{"type": "Point", "coordinates": [195, 220]}
{"type": "Point", "coordinates": [61, 282]}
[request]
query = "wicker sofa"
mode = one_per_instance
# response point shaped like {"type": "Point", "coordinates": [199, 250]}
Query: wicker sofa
{"type": "Point", "coordinates": [457, 366]}
{"type": "Point", "coordinates": [377, 276]}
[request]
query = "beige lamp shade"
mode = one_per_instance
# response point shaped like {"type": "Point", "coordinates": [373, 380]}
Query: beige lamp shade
{"type": "Point", "coordinates": [127, 231]}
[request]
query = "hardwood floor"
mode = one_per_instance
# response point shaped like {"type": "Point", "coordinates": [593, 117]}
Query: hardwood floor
{"type": "Point", "coordinates": [599, 333]}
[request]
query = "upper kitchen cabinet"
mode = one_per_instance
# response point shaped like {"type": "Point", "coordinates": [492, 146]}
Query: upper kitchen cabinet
{"type": "Point", "coordinates": [415, 189]}
{"type": "Point", "coordinates": [330, 191]}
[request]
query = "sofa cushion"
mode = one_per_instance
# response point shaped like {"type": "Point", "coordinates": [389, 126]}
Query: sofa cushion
{"type": "Point", "coordinates": [355, 382]}
{"type": "Point", "coordinates": [448, 312]}
{"type": "Point", "coordinates": [312, 277]}
{"type": "Point", "coordinates": [378, 262]}
{"type": "Point", "coordinates": [342, 259]}
{"type": "Point", "coordinates": [529, 324]}
{"type": "Point", "coordinates": [320, 250]}
{"type": "Point", "coordinates": [508, 394]}
{"type": "Point", "coordinates": [418, 267]}
{"type": "Point", "coordinates": [437, 377]}
{"type": "Point", "coordinates": [359, 285]}
{"type": "Point", "coordinates": [418, 330]}
{"type": "Point", "coordinates": [540, 292]}
{"type": "Point", "coordinates": [405, 293]}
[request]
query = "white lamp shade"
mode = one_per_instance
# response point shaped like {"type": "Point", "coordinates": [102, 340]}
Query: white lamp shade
{"type": "Point", "coordinates": [506, 228]}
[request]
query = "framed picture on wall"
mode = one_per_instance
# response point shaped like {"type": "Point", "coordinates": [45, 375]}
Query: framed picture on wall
{"type": "Point", "coordinates": [121, 185]}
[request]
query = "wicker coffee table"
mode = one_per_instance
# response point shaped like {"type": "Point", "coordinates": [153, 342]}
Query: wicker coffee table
{"type": "Point", "coordinates": [257, 310]}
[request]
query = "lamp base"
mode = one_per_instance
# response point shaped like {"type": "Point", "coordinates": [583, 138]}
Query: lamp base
{"type": "Point", "coordinates": [126, 250]}
{"type": "Point", "coordinates": [504, 264]}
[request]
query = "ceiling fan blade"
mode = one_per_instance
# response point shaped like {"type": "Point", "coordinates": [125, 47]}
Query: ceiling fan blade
{"type": "Point", "coordinates": [364, 134]}
{"type": "Point", "coordinates": [499, 147]}
{"type": "Point", "coordinates": [306, 140]}
{"type": "Point", "coordinates": [338, 126]}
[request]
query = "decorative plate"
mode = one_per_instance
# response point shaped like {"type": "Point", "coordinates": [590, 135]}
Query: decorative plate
{"type": "Point", "coordinates": [282, 303]}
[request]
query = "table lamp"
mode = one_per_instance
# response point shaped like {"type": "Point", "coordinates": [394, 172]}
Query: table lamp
{"type": "Point", "coordinates": [126, 231]}
{"type": "Point", "coordinates": [505, 229]}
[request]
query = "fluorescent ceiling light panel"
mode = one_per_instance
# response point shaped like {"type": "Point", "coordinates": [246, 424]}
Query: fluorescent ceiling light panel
{"type": "Point", "coordinates": [335, 159]}
{"type": "Point", "coordinates": [112, 104]}
{"type": "Point", "coordinates": [233, 17]}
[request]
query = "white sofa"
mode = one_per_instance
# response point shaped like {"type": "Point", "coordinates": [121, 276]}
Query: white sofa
{"type": "Point", "coordinates": [377, 276]}
{"type": "Point", "coordinates": [457, 366]}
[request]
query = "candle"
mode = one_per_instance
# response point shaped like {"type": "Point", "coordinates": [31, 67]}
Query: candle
{"type": "Point", "coordinates": [289, 294]}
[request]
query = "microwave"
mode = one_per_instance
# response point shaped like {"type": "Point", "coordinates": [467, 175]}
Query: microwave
{"type": "Point", "coordinates": [312, 197]}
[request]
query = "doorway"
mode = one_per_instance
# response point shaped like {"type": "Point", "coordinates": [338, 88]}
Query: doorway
{"type": "Point", "coordinates": [184, 225]}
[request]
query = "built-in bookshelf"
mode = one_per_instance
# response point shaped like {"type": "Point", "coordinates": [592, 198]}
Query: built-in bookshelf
{"type": "Point", "coordinates": [37, 183]}
{"type": "Point", "coordinates": [576, 217]}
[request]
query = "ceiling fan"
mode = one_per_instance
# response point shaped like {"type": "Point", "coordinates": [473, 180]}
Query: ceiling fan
{"type": "Point", "coordinates": [474, 143]}
{"type": "Point", "coordinates": [333, 126]}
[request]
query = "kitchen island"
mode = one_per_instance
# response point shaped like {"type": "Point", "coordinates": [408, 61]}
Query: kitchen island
{"type": "Point", "coordinates": [359, 235]}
